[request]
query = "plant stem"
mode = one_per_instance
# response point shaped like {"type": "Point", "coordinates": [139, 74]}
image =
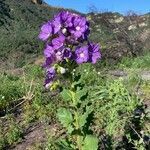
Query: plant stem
{"type": "Point", "coordinates": [76, 118]}
{"type": "Point", "coordinates": [77, 128]}
{"type": "Point", "coordinates": [79, 142]}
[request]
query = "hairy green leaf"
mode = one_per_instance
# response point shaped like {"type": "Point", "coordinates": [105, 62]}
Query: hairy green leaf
{"type": "Point", "coordinates": [66, 95]}
{"type": "Point", "coordinates": [79, 94]}
{"type": "Point", "coordinates": [64, 116]}
{"type": "Point", "coordinates": [83, 118]}
{"type": "Point", "coordinates": [90, 143]}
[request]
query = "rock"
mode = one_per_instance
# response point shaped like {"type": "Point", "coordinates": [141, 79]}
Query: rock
{"type": "Point", "coordinates": [117, 73]}
{"type": "Point", "coordinates": [37, 1]}
{"type": "Point", "coordinates": [131, 27]}
{"type": "Point", "coordinates": [145, 35]}
{"type": "Point", "coordinates": [143, 24]}
{"type": "Point", "coordinates": [145, 75]}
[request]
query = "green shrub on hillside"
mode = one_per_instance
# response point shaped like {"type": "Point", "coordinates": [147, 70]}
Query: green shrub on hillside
{"type": "Point", "coordinates": [11, 89]}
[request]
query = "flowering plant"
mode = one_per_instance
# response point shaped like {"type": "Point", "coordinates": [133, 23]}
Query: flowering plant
{"type": "Point", "coordinates": [66, 38]}
{"type": "Point", "coordinates": [67, 46]}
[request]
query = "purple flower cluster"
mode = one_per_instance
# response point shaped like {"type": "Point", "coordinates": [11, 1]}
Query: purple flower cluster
{"type": "Point", "coordinates": [65, 38]}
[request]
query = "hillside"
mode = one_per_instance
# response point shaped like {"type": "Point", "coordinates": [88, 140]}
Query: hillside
{"type": "Point", "coordinates": [20, 21]}
{"type": "Point", "coordinates": [121, 35]}
{"type": "Point", "coordinates": [19, 26]}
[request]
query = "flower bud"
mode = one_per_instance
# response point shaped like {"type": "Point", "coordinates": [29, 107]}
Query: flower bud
{"type": "Point", "coordinates": [62, 70]}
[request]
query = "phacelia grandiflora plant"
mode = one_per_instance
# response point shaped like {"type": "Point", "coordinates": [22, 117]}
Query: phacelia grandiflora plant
{"type": "Point", "coordinates": [66, 47]}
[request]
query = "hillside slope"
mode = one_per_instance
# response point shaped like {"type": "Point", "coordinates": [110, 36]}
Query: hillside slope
{"type": "Point", "coordinates": [121, 35]}
{"type": "Point", "coordinates": [19, 26]}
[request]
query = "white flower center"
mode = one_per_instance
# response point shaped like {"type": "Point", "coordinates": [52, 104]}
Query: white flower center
{"type": "Point", "coordinates": [82, 55]}
{"type": "Point", "coordinates": [64, 30]}
{"type": "Point", "coordinates": [78, 28]}
{"type": "Point", "coordinates": [58, 53]}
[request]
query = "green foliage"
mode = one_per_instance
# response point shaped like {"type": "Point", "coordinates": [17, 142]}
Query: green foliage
{"type": "Point", "coordinates": [23, 93]}
{"type": "Point", "coordinates": [11, 89]}
{"type": "Point", "coordinates": [114, 102]}
{"type": "Point", "coordinates": [2, 140]}
{"type": "Point", "coordinates": [65, 117]}
{"type": "Point", "coordinates": [140, 62]}
{"type": "Point", "coordinates": [90, 143]}
{"type": "Point", "coordinates": [66, 95]}
{"type": "Point", "coordinates": [111, 100]}
{"type": "Point", "coordinates": [10, 134]}
{"type": "Point", "coordinates": [34, 72]}
{"type": "Point", "coordinates": [13, 134]}
{"type": "Point", "coordinates": [83, 117]}
{"type": "Point", "coordinates": [89, 75]}
{"type": "Point", "coordinates": [74, 117]}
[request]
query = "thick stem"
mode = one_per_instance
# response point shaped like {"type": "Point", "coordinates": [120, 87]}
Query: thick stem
{"type": "Point", "coordinates": [79, 142]}
{"type": "Point", "coordinates": [78, 137]}
{"type": "Point", "coordinates": [76, 118]}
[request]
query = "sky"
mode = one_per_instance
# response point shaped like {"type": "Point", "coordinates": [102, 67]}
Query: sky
{"type": "Point", "coordinates": [121, 6]}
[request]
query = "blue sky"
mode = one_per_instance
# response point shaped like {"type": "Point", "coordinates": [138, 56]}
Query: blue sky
{"type": "Point", "coordinates": [122, 6]}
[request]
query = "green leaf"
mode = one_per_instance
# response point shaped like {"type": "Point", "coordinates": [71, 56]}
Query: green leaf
{"type": "Point", "coordinates": [79, 94]}
{"type": "Point", "coordinates": [90, 143]}
{"type": "Point", "coordinates": [66, 95]}
{"type": "Point", "coordinates": [64, 116]}
{"type": "Point", "coordinates": [70, 129]}
{"type": "Point", "coordinates": [64, 145]}
{"type": "Point", "coordinates": [82, 119]}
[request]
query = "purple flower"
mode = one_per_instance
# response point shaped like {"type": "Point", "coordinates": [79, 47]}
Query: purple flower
{"type": "Point", "coordinates": [50, 75]}
{"type": "Point", "coordinates": [48, 51]}
{"type": "Point", "coordinates": [63, 53]}
{"type": "Point", "coordinates": [66, 32]}
{"type": "Point", "coordinates": [94, 52]}
{"type": "Point", "coordinates": [49, 56]}
{"type": "Point", "coordinates": [46, 31]}
{"type": "Point", "coordinates": [65, 18]}
{"type": "Point", "coordinates": [58, 42]}
{"type": "Point", "coordinates": [80, 26]}
{"type": "Point", "coordinates": [56, 25]}
{"type": "Point", "coordinates": [48, 62]}
{"type": "Point", "coordinates": [59, 55]}
{"type": "Point", "coordinates": [81, 55]}
{"type": "Point", "coordinates": [67, 53]}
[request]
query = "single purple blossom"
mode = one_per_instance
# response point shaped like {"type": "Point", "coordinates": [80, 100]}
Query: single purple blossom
{"type": "Point", "coordinates": [48, 51]}
{"type": "Point", "coordinates": [58, 42]}
{"type": "Point", "coordinates": [65, 18]}
{"type": "Point", "coordinates": [81, 55]}
{"type": "Point", "coordinates": [50, 75]}
{"type": "Point", "coordinates": [67, 53]}
{"type": "Point", "coordinates": [48, 62]}
{"type": "Point", "coordinates": [94, 53]}
{"type": "Point", "coordinates": [80, 26]}
{"type": "Point", "coordinates": [49, 56]}
{"type": "Point", "coordinates": [56, 25]}
{"type": "Point", "coordinates": [46, 31]}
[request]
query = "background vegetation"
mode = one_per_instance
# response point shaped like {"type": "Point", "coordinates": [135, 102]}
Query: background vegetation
{"type": "Point", "coordinates": [120, 99]}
